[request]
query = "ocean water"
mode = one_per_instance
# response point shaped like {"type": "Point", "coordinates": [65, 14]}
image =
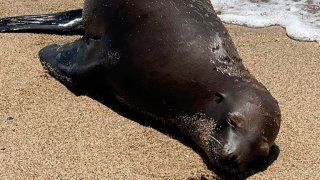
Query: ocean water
{"type": "Point", "coordinates": [300, 18]}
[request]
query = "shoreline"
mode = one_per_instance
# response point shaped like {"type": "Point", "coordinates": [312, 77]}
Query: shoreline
{"type": "Point", "coordinates": [273, 26]}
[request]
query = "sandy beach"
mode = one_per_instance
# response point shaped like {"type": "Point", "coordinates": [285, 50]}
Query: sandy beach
{"type": "Point", "coordinates": [47, 132]}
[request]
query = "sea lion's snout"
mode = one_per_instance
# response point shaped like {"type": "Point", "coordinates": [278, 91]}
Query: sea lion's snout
{"type": "Point", "coordinates": [241, 148]}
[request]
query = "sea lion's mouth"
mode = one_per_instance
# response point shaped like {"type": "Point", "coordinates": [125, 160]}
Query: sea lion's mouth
{"type": "Point", "coordinates": [234, 152]}
{"type": "Point", "coordinates": [228, 164]}
{"type": "Point", "coordinates": [225, 150]}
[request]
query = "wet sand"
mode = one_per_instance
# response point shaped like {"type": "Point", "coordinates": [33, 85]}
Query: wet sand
{"type": "Point", "coordinates": [47, 132]}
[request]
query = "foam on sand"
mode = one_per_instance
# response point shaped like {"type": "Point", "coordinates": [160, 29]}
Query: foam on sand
{"type": "Point", "coordinates": [300, 18]}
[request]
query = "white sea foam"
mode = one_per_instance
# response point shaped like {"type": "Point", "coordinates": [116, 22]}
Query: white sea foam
{"type": "Point", "coordinates": [300, 18]}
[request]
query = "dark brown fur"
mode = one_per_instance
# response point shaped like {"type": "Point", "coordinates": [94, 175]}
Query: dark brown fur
{"type": "Point", "coordinates": [175, 61]}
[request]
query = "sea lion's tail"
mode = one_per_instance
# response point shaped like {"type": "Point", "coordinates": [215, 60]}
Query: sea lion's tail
{"type": "Point", "coordinates": [69, 22]}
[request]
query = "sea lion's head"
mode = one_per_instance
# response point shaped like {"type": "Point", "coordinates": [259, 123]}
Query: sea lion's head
{"type": "Point", "coordinates": [247, 123]}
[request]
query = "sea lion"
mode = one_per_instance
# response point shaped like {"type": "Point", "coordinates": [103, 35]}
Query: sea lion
{"type": "Point", "coordinates": [171, 60]}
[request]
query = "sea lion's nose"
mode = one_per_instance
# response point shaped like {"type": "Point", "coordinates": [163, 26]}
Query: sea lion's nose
{"type": "Point", "coordinates": [240, 157]}
{"type": "Point", "coordinates": [235, 160]}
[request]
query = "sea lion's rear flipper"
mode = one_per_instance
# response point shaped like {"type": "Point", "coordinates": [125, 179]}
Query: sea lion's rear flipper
{"type": "Point", "coordinates": [69, 22]}
{"type": "Point", "coordinates": [79, 62]}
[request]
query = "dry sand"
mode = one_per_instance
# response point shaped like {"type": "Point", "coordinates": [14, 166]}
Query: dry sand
{"type": "Point", "coordinates": [47, 132]}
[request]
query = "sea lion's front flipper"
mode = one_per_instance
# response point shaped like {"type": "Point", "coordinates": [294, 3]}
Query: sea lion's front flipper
{"type": "Point", "coordinates": [79, 62]}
